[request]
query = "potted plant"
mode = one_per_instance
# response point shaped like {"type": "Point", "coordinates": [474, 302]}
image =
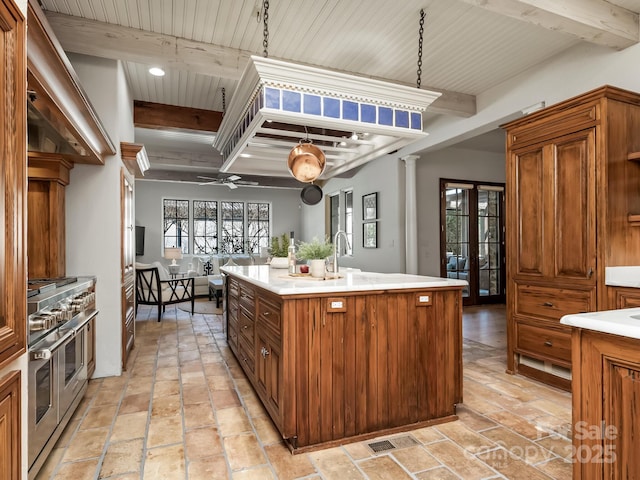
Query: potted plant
{"type": "Point", "coordinates": [315, 251]}
{"type": "Point", "coordinates": [279, 250]}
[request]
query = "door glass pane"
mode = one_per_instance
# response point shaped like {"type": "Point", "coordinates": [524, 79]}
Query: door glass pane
{"type": "Point", "coordinates": [457, 234]}
{"type": "Point", "coordinates": [489, 202]}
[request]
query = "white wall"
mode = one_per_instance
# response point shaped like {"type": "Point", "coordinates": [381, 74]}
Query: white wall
{"type": "Point", "coordinates": [93, 206]}
{"type": "Point", "coordinates": [285, 205]}
{"type": "Point", "coordinates": [450, 163]}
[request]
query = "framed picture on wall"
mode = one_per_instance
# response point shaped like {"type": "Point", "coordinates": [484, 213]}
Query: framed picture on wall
{"type": "Point", "coordinates": [370, 235]}
{"type": "Point", "coordinates": [370, 206]}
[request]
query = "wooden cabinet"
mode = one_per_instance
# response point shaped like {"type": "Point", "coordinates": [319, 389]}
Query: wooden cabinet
{"type": "Point", "coordinates": [13, 179]}
{"type": "Point", "coordinates": [10, 426]}
{"type": "Point", "coordinates": [329, 368]}
{"type": "Point", "coordinates": [624, 297]}
{"type": "Point", "coordinates": [568, 181]}
{"type": "Point", "coordinates": [606, 405]}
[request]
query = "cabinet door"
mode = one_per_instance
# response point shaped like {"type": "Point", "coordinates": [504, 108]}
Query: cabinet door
{"type": "Point", "coordinates": [527, 197]}
{"type": "Point", "coordinates": [269, 373]}
{"type": "Point", "coordinates": [13, 172]}
{"type": "Point", "coordinates": [10, 426]}
{"type": "Point", "coordinates": [574, 226]}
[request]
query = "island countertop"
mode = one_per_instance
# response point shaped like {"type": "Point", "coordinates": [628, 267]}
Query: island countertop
{"type": "Point", "coordinates": [280, 282]}
{"type": "Point", "coordinates": [624, 322]}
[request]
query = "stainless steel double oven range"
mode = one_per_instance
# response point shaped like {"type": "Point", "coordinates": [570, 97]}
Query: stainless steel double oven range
{"type": "Point", "coordinates": [61, 313]}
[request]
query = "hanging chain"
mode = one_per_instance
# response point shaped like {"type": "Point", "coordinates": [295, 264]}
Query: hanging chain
{"type": "Point", "coordinates": [224, 101]}
{"type": "Point", "coordinates": [420, 34]}
{"type": "Point", "coordinates": [265, 41]}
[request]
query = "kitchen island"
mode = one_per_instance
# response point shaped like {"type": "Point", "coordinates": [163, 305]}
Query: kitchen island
{"type": "Point", "coordinates": [346, 359]}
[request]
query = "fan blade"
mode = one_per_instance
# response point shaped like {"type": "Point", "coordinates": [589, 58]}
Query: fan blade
{"type": "Point", "coordinates": [232, 186]}
{"type": "Point", "coordinates": [232, 178]}
{"type": "Point", "coordinates": [207, 178]}
{"type": "Point", "coordinates": [245, 182]}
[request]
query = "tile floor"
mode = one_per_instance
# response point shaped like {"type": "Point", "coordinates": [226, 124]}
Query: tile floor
{"type": "Point", "coordinates": [184, 410]}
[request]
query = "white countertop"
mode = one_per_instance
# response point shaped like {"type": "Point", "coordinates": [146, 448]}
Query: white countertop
{"type": "Point", "coordinates": [628, 276]}
{"type": "Point", "coordinates": [624, 322]}
{"type": "Point", "coordinates": [279, 282]}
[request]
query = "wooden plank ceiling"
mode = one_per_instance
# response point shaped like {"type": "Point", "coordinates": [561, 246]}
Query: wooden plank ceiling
{"type": "Point", "coordinates": [469, 47]}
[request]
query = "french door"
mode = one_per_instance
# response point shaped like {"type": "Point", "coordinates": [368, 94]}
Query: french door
{"type": "Point", "coordinates": [472, 238]}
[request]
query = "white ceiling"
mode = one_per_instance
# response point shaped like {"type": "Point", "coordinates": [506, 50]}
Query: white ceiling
{"type": "Point", "coordinates": [467, 48]}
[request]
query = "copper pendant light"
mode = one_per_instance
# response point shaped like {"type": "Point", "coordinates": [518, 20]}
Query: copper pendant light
{"type": "Point", "coordinates": [306, 161]}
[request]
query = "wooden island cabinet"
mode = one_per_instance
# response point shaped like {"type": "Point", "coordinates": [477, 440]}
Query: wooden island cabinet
{"type": "Point", "coordinates": [347, 359]}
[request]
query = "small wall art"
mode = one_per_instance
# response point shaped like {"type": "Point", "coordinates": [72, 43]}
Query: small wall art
{"type": "Point", "coordinates": [370, 235]}
{"type": "Point", "coordinates": [370, 206]}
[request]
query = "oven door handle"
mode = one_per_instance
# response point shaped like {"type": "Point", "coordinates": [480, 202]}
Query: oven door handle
{"type": "Point", "coordinates": [45, 353]}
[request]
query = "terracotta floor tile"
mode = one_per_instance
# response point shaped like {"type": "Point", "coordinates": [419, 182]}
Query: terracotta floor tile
{"type": "Point", "coordinates": [192, 378]}
{"type": "Point", "coordinates": [86, 444]}
{"type": "Point", "coordinates": [127, 427]}
{"type": "Point", "coordinates": [518, 424]}
{"type": "Point", "coordinates": [518, 446]}
{"type": "Point", "coordinates": [458, 460]}
{"type": "Point", "coordinates": [552, 408]}
{"type": "Point", "coordinates": [509, 466]}
{"type": "Point", "coordinates": [167, 406]}
{"type": "Point", "coordinates": [84, 469]}
{"type": "Point", "coordinates": [140, 385]}
{"type": "Point", "coordinates": [220, 383]}
{"type": "Point", "coordinates": [233, 421]}
{"type": "Point", "coordinates": [440, 473]}
{"type": "Point", "coordinates": [512, 391]}
{"type": "Point", "coordinates": [427, 435]}
{"type": "Point", "coordinates": [167, 361]}
{"type": "Point", "coordinates": [561, 446]}
{"type": "Point", "coordinates": [557, 468]}
{"type": "Point", "coordinates": [258, 473]}
{"type": "Point", "coordinates": [383, 468]}
{"type": "Point", "coordinates": [106, 396]}
{"type": "Point", "coordinates": [68, 433]}
{"type": "Point", "coordinates": [225, 399]}
{"type": "Point", "coordinates": [473, 420]}
{"type": "Point", "coordinates": [198, 415]}
{"type": "Point", "coordinates": [208, 468]}
{"type": "Point", "coordinates": [52, 462]}
{"type": "Point", "coordinates": [100, 416]}
{"type": "Point", "coordinates": [334, 464]}
{"type": "Point", "coordinates": [203, 442]}
{"type": "Point", "coordinates": [357, 451]}
{"type": "Point", "coordinates": [122, 457]}
{"type": "Point", "coordinates": [164, 431]}
{"type": "Point", "coordinates": [186, 356]}
{"type": "Point", "coordinates": [465, 437]}
{"type": "Point", "coordinates": [243, 451]}
{"type": "Point", "coordinates": [287, 466]}
{"type": "Point", "coordinates": [134, 403]}
{"type": "Point", "coordinates": [266, 431]}
{"type": "Point", "coordinates": [163, 388]}
{"type": "Point", "coordinates": [165, 463]}
{"type": "Point", "coordinates": [216, 369]}
{"type": "Point", "coordinates": [253, 406]}
{"type": "Point", "coordinates": [167, 373]}
{"type": "Point", "coordinates": [192, 394]}
{"type": "Point", "coordinates": [415, 459]}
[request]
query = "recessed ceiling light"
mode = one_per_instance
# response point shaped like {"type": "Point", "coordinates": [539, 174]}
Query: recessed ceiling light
{"type": "Point", "coordinates": [156, 72]}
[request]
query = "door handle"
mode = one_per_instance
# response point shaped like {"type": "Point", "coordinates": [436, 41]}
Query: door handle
{"type": "Point", "coordinates": [547, 304]}
{"type": "Point", "coordinates": [548, 344]}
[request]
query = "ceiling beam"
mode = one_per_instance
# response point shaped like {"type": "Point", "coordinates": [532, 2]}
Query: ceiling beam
{"type": "Point", "coordinates": [596, 21]}
{"type": "Point", "coordinates": [100, 39]}
{"type": "Point", "coordinates": [159, 115]}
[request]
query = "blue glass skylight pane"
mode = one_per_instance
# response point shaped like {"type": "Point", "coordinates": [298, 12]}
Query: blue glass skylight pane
{"type": "Point", "coordinates": [312, 104]}
{"type": "Point", "coordinates": [385, 116]}
{"type": "Point", "coordinates": [272, 98]}
{"type": "Point", "coordinates": [291, 101]}
{"type": "Point", "coordinates": [416, 121]}
{"type": "Point", "coordinates": [349, 110]}
{"type": "Point", "coordinates": [368, 113]}
{"type": "Point", "coordinates": [402, 118]}
{"type": "Point", "coordinates": [331, 107]}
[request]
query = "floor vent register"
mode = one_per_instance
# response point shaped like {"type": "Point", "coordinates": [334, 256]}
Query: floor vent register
{"type": "Point", "coordinates": [403, 441]}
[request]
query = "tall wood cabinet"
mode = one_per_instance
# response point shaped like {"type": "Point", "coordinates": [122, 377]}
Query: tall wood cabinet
{"type": "Point", "coordinates": [572, 194]}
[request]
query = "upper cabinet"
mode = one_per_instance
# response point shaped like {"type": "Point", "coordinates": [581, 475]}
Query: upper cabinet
{"type": "Point", "coordinates": [571, 190]}
{"type": "Point", "coordinates": [13, 182]}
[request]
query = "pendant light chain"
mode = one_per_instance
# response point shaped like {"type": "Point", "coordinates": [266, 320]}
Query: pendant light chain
{"type": "Point", "coordinates": [420, 34]}
{"type": "Point", "coordinates": [265, 41]}
{"type": "Point", "coordinates": [224, 101]}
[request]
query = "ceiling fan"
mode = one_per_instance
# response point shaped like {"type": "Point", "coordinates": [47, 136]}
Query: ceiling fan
{"type": "Point", "coordinates": [232, 181]}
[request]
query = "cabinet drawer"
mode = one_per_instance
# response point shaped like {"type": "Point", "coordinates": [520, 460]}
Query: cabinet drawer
{"type": "Point", "coordinates": [268, 315]}
{"type": "Point", "coordinates": [245, 327]}
{"type": "Point", "coordinates": [234, 288]}
{"type": "Point", "coordinates": [247, 298]}
{"type": "Point", "coordinates": [246, 354]}
{"type": "Point", "coordinates": [552, 303]}
{"type": "Point", "coordinates": [544, 343]}
{"type": "Point", "coordinates": [232, 337]}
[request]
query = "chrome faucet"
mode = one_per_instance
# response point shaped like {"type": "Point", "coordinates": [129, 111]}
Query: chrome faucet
{"type": "Point", "coordinates": [336, 248]}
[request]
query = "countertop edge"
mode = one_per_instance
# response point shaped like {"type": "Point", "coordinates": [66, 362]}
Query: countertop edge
{"type": "Point", "coordinates": [615, 322]}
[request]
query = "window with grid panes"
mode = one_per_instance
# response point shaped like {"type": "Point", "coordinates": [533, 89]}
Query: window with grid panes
{"type": "Point", "coordinates": [232, 233]}
{"type": "Point", "coordinates": [258, 233]}
{"type": "Point", "coordinates": [205, 227]}
{"type": "Point", "coordinates": [176, 224]}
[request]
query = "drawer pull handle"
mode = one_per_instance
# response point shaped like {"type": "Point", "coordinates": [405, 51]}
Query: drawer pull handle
{"type": "Point", "coordinates": [547, 304]}
{"type": "Point", "coordinates": [264, 352]}
{"type": "Point", "coordinates": [244, 327]}
{"type": "Point", "coordinates": [548, 344]}
{"type": "Point", "coordinates": [266, 314]}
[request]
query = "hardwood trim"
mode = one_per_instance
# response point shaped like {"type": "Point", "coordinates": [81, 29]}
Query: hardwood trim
{"type": "Point", "coordinates": [159, 115]}
{"type": "Point", "coordinates": [133, 154]}
{"type": "Point", "coordinates": [58, 89]}
{"type": "Point", "coordinates": [48, 166]}
{"type": "Point", "coordinates": [11, 425]}
{"type": "Point", "coordinates": [13, 182]}
{"type": "Point", "coordinates": [544, 377]}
